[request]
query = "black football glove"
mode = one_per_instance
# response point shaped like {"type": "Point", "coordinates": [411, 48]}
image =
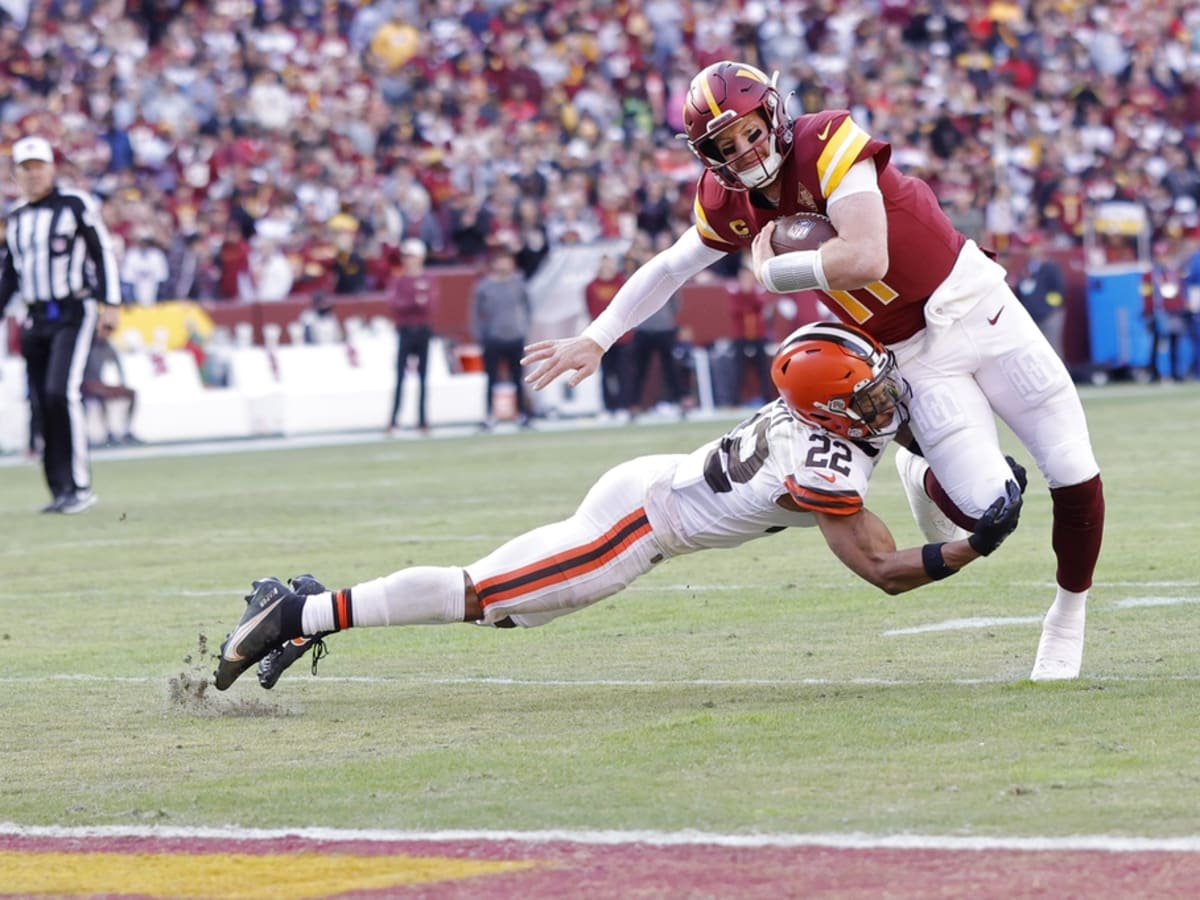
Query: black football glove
{"type": "Point", "coordinates": [998, 521]}
{"type": "Point", "coordinates": [1018, 471]}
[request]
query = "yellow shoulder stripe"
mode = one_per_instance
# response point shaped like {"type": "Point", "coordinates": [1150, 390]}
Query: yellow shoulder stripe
{"type": "Point", "coordinates": [841, 150]}
{"type": "Point", "coordinates": [702, 225]}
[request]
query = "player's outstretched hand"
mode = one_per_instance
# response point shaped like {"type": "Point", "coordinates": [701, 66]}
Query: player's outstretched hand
{"type": "Point", "coordinates": [580, 355]}
{"type": "Point", "coordinates": [998, 521]}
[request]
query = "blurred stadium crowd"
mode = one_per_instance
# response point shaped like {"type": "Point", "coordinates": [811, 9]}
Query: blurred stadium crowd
{"type": "Point", "coordinates": [277, 147]}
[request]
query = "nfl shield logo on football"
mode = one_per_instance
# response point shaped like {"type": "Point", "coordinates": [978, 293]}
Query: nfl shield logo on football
{"type": "Point", "coordinates": [799, 229]}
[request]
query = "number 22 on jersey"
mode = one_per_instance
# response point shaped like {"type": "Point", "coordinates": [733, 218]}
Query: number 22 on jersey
{"type": "Point", "coordinates": [741, 453]}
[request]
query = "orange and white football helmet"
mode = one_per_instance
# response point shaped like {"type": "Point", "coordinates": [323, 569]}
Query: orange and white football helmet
{"type": "Point", "coordinates": [720, 95]}
{"type": "Point", "coordinates": [837, 377]}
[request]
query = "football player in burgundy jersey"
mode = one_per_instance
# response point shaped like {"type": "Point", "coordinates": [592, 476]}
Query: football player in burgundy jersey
{"type": "Point", "coordinates": [898, 269]}
{"type": "Point", "coordinates": [800, 461]}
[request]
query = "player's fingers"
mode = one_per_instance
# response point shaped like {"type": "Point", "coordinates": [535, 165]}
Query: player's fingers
{"type": "Point", "coordinates": [544, 375]}
{"type": "Point", "coordinates": [537, 352]}
{"type": "Point", "coordinates": [581, 373]}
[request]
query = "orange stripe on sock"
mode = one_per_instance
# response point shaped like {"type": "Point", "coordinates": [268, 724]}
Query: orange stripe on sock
{"type": "Point", "coordinates": [341, 615]}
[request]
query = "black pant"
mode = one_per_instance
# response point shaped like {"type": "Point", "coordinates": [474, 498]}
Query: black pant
{"type": "Point", "coordinates": [616, 373]}
{"type": "Point", "coordinates": [35, 420]}
{"type": "Point", "coordinates": [647, 344]}
{"type": "Point", "coordinates": [509, 352]}
{"type": "Point", "coordinates": [55, 351]}
{"type": "Point", "coordinates": [414, 342]}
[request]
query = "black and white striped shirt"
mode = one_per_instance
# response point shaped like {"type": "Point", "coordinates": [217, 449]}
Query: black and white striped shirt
{"type": "Point", "coordinates": [59, 251]}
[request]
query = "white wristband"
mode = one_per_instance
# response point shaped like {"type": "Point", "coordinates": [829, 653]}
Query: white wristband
{"type": "Point", "coordinates": [800, 270]}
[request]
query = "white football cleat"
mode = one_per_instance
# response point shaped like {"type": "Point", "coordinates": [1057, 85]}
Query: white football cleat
{"type": "Point", "coordinates": [934, 524]}
{"type": "Point", "coordinates": [1060, 650]}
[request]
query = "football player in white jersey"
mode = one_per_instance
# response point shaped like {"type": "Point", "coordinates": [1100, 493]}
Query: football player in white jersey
{"type": "Point", "coordinates": [803, 460]}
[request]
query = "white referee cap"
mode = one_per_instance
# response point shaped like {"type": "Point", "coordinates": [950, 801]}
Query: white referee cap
{"type": "Point", "coordinates": [33, 147]}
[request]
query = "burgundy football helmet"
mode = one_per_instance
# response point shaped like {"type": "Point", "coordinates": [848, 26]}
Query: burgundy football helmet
{"type": "Point", "coordinates": [720, 95]}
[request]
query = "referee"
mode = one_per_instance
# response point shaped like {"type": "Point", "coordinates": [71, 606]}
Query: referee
{"type": "Point", "coordinates": [61, 263]}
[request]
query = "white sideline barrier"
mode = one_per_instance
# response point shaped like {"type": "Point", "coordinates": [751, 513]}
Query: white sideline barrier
{"type": "Point", "coordinates": [347, 386]}
{"type": "Point", "coordinates": [14, 410]}
{"type": "Point", "coordinates": [288, 390]}
{"type": "Point", "coordinates": [323, 387]}
{"type": "Point", "coordinates": [250, 372]}
{"type": "Point", "coordinates": [174, 405]}
{"type": "Point", "coordinates": [452, 398]}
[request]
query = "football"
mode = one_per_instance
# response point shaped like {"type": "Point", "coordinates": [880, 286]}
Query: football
{"type": "Point", "coordinates": [801, 231]}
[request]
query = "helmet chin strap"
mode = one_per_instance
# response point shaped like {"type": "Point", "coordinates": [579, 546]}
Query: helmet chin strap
{"type": "Point", "coordinates": [766, 169]}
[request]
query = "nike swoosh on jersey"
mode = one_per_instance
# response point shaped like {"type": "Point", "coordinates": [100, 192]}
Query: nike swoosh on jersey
{"type": "Point", "coordinates": [231, 654]}
{"type": "Point", "coordinates": [824, 132]}
{"type": "Point", "coordinates": [992, 320]}
{"type": "Point", "coordinates": [830, 478]}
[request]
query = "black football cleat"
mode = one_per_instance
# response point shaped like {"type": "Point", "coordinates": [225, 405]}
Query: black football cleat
{"type": "Point", "coordinates": [275, 663]}
{"type": "Point", "coordinates": [272, 616]}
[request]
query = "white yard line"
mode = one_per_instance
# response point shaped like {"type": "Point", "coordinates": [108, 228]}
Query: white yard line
{"type": "Point", "coordinates": [854, 840]}
{"type": "Point", "coordinates": [965, 624]}
{"type": "Point", "coordinates": [976, 622]}
{"type": "Point", "coordinates": [1135, 602]}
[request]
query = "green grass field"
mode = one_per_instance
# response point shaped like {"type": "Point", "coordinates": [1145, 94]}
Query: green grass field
{"type": "Point", "coordinates": [764, 689]}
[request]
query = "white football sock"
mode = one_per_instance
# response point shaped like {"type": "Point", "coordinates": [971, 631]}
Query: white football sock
{"type": "Point", "coordinates": [934, 524]}
{"type": "Point", "coordinates": [421, 595]}
{"type": "Point", "coordinates": [1060, 650]}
